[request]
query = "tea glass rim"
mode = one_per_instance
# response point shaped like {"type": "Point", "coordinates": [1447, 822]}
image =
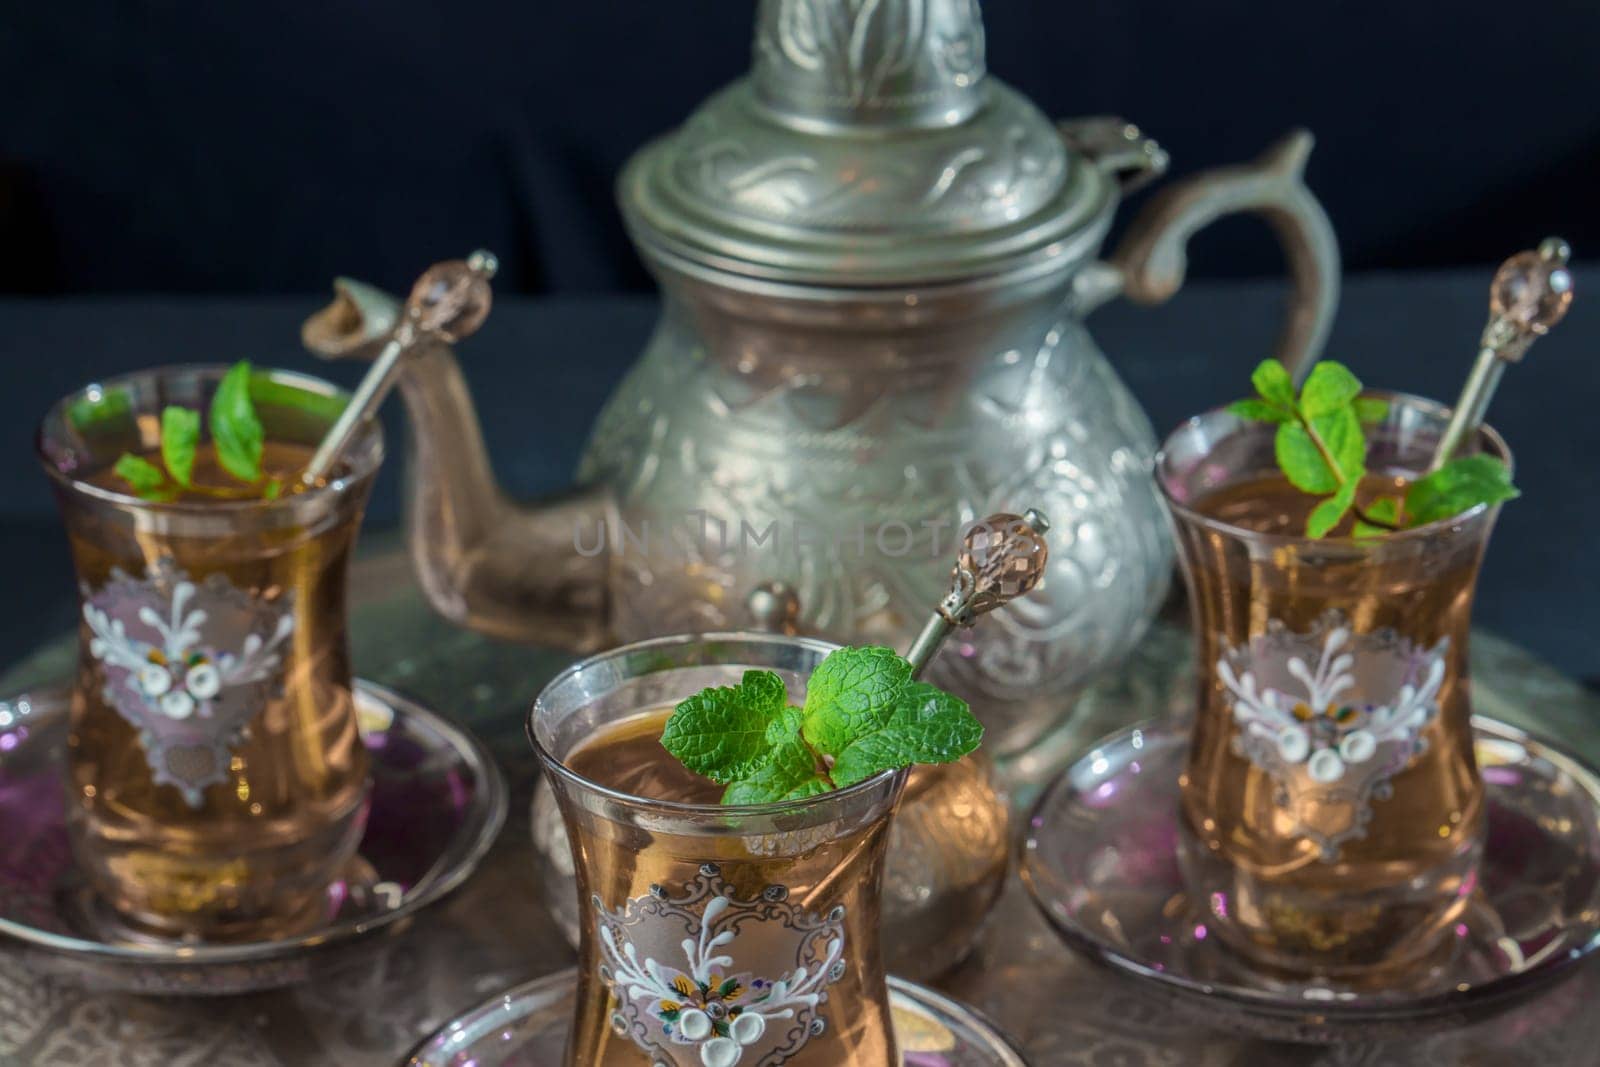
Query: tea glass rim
{"type": "Point", "coordinates": [1486, 437]}
{"type": "Point", "coordinates": [675, 808]}
{"type": "Point", "coordinates": [366, 454]}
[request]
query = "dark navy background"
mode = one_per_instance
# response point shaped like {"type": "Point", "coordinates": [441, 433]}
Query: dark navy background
{"type": "Point", "coordinates": [193, 146]}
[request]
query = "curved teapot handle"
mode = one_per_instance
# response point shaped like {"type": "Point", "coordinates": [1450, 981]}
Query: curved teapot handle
{"type": "Point", "coordinates": [1152, 258]}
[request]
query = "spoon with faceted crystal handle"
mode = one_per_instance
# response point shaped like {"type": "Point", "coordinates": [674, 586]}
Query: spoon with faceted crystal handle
{"type": "Point", "coordinates": [448, 303]}
{"type": "Point", "coordinates": [1002, 557]}
{"type": "Point", "coordinates": [1531, 292]}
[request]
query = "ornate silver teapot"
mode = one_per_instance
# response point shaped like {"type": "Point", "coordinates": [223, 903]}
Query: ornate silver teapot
{"type": "Point", "coordinates": [875, 259]}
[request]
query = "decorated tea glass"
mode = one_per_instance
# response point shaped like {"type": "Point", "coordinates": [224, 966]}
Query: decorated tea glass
{"type": "Point", "coordinates": [1332, 810]}
{"type": "Point", "coordinates": [216, 781]}
{"type": "Point", "coordinates": [713, 936]}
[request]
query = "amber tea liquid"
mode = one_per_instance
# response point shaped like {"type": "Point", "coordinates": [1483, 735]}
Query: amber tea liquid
{"type": "Point", "coordinates": [237, 839]}
{"type": "Point", "coordinates": [818, 869]}
{"type": "Point", "coordinates": [1321, 850]}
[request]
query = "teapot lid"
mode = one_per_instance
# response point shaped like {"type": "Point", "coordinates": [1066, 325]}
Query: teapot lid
{"type": "Point", "coordinates": [867, 146]}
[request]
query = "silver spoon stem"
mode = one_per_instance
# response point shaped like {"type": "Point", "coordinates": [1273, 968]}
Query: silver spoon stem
{"type": "Point", "coordinates": [1530, 293]}
{"type": "Point", "coordinates": [449, 302]}
{"type": "Point", "coordinates": [364, 403]}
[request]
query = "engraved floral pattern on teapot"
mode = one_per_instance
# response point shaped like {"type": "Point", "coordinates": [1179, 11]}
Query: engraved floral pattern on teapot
{"type": "Point", "coordinates": [686, 435]}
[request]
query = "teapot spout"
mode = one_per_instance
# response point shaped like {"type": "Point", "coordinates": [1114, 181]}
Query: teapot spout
{"type": "Point", "coordinates": [483, 561]}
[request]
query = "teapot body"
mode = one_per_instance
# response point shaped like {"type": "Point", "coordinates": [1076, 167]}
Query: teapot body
{"type": "Point", "coordinates": [839, 445]}
{"type": "Point", "coordinates": [875, 259]}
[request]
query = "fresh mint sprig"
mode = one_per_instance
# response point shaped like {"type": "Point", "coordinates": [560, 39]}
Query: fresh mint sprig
{"type": "Point", "coordinates": [236, 432]}
{"type": "Point", "coordinates": [863, 714]}
{"type": "Point", "coordinates": [1321, 448]}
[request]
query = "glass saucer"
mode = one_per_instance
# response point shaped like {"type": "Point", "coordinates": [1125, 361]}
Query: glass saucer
{"type": "Point", "coordinates": [527, 1027]}
{"type": "Point", "coordinates": [1101, 862]}
{"type": "Point", "coordinates": [437, 803]}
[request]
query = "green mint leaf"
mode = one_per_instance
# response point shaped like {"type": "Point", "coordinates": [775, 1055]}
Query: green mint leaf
{"type": "Point", "coordinates": [272, 490]}
{"type": "Point", "coordinates": [180, 436]}
{"type": "Point", "coordinates": [1273, 383]}
{"type": "Point", "coordinates": [267, 392]}
{"type": "Point", "coordinates": [1458, 486]}
{"type": "Point", "coordinates": [1341, 433]}
{"type": "Point", "coordinates": [925, 725]}
{"type": "Point", "coordinates": [784, 726]}
{"type": "Point", "coordinates": [86, 414]}
{"type": "Point", "coordinates": [1301, 462]}
{"type": "Point", "coordinates": [143, 477]}
{"type": "Point", "coordinates": [235, 429]}
{"type": "Point", "coordinates": [764, 691]}
{"type": "Point", "coordinates": [724, 733]}
{"type": "Point", "coordinates": [1259, 411]}
{"type": "Point", "coordinates": [851, 694]}
{"type": "Point", "coordinates": [1383, 509]}
{"type": "Point", "coordinates": [1326, 515]}
{"type": "Point", "coordinates": [1370, 409]}
{"type": "Point", "coordinates": [789, 773]}
{"type": "Point", "coordinates": [1329, 388]}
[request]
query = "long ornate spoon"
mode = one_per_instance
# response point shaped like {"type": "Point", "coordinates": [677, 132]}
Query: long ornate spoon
{"type": "Point", "coordinates": [1530, 293]}
{"type": "Point", "coordinates": [449, 302]}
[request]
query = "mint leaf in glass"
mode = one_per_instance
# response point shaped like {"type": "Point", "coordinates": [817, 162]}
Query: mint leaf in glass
{"type": "Point", "coordinates": [1385, 510]}
{"type": "Point", "coordinates": [145, 478]}
{"type": "Point", "coordinates": [850, 694]}
{"type": "Point", "coordinates": [1328, 514]}
{"type": "Point", "coordinates": [721, 733]}
{"type": "Point", "coordinates": [236, 434]}
{"type": "Point", "coordinates": [1370, 409]}
{"type": "Point", "coordinates": [1302, 462]}
{"type": "Point", "coordinates": [180, 437]}
{"type": "Point", "coordinates": [863, 715]}
{"type": "Point", "coordinates": [1340, 433]}
{"type": "Point", "coordinates": [926, 725]}
{"type": "Point", "coordinates": [235, 429]}
{"type": "Point", "coordinates": [1329, 389]}
{"type": "Point", "coordinates": [98, 408]}
{"type": "Point", "coordinates": [1260, 411]}
{"type": "Point", "coordinates": [790, 772]}
{"type": "Point", "coordinates": [1273, 383]}
{"type": "Point", "coordinates": [1460, 485]}
{"type": "Point", "coordinates": [1321, 449]}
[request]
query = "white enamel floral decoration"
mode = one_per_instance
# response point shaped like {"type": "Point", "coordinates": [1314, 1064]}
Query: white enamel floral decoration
{"type": "Point", "coordinates": [1334, 734]}
{"type": "Point", "coordinates": [179, 682]}
{"type": "Point", "coordinates": [717, 1007]}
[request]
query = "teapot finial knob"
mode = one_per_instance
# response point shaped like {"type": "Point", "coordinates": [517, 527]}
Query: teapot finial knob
{"type": "Point", "coordinates": [1001, 558]}
{"type": "Point", "coordinates": [448, 303]}
{"type": "Point", "coordinates": [913, 63]}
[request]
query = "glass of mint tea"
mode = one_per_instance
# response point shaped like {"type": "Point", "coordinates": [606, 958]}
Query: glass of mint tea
{"type": "Point", "coordinates": [1332, 812]}
{"type": "Point", "coordinates": [711, 934]}
{"type": "Point", "coordinates": [217, 784]}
